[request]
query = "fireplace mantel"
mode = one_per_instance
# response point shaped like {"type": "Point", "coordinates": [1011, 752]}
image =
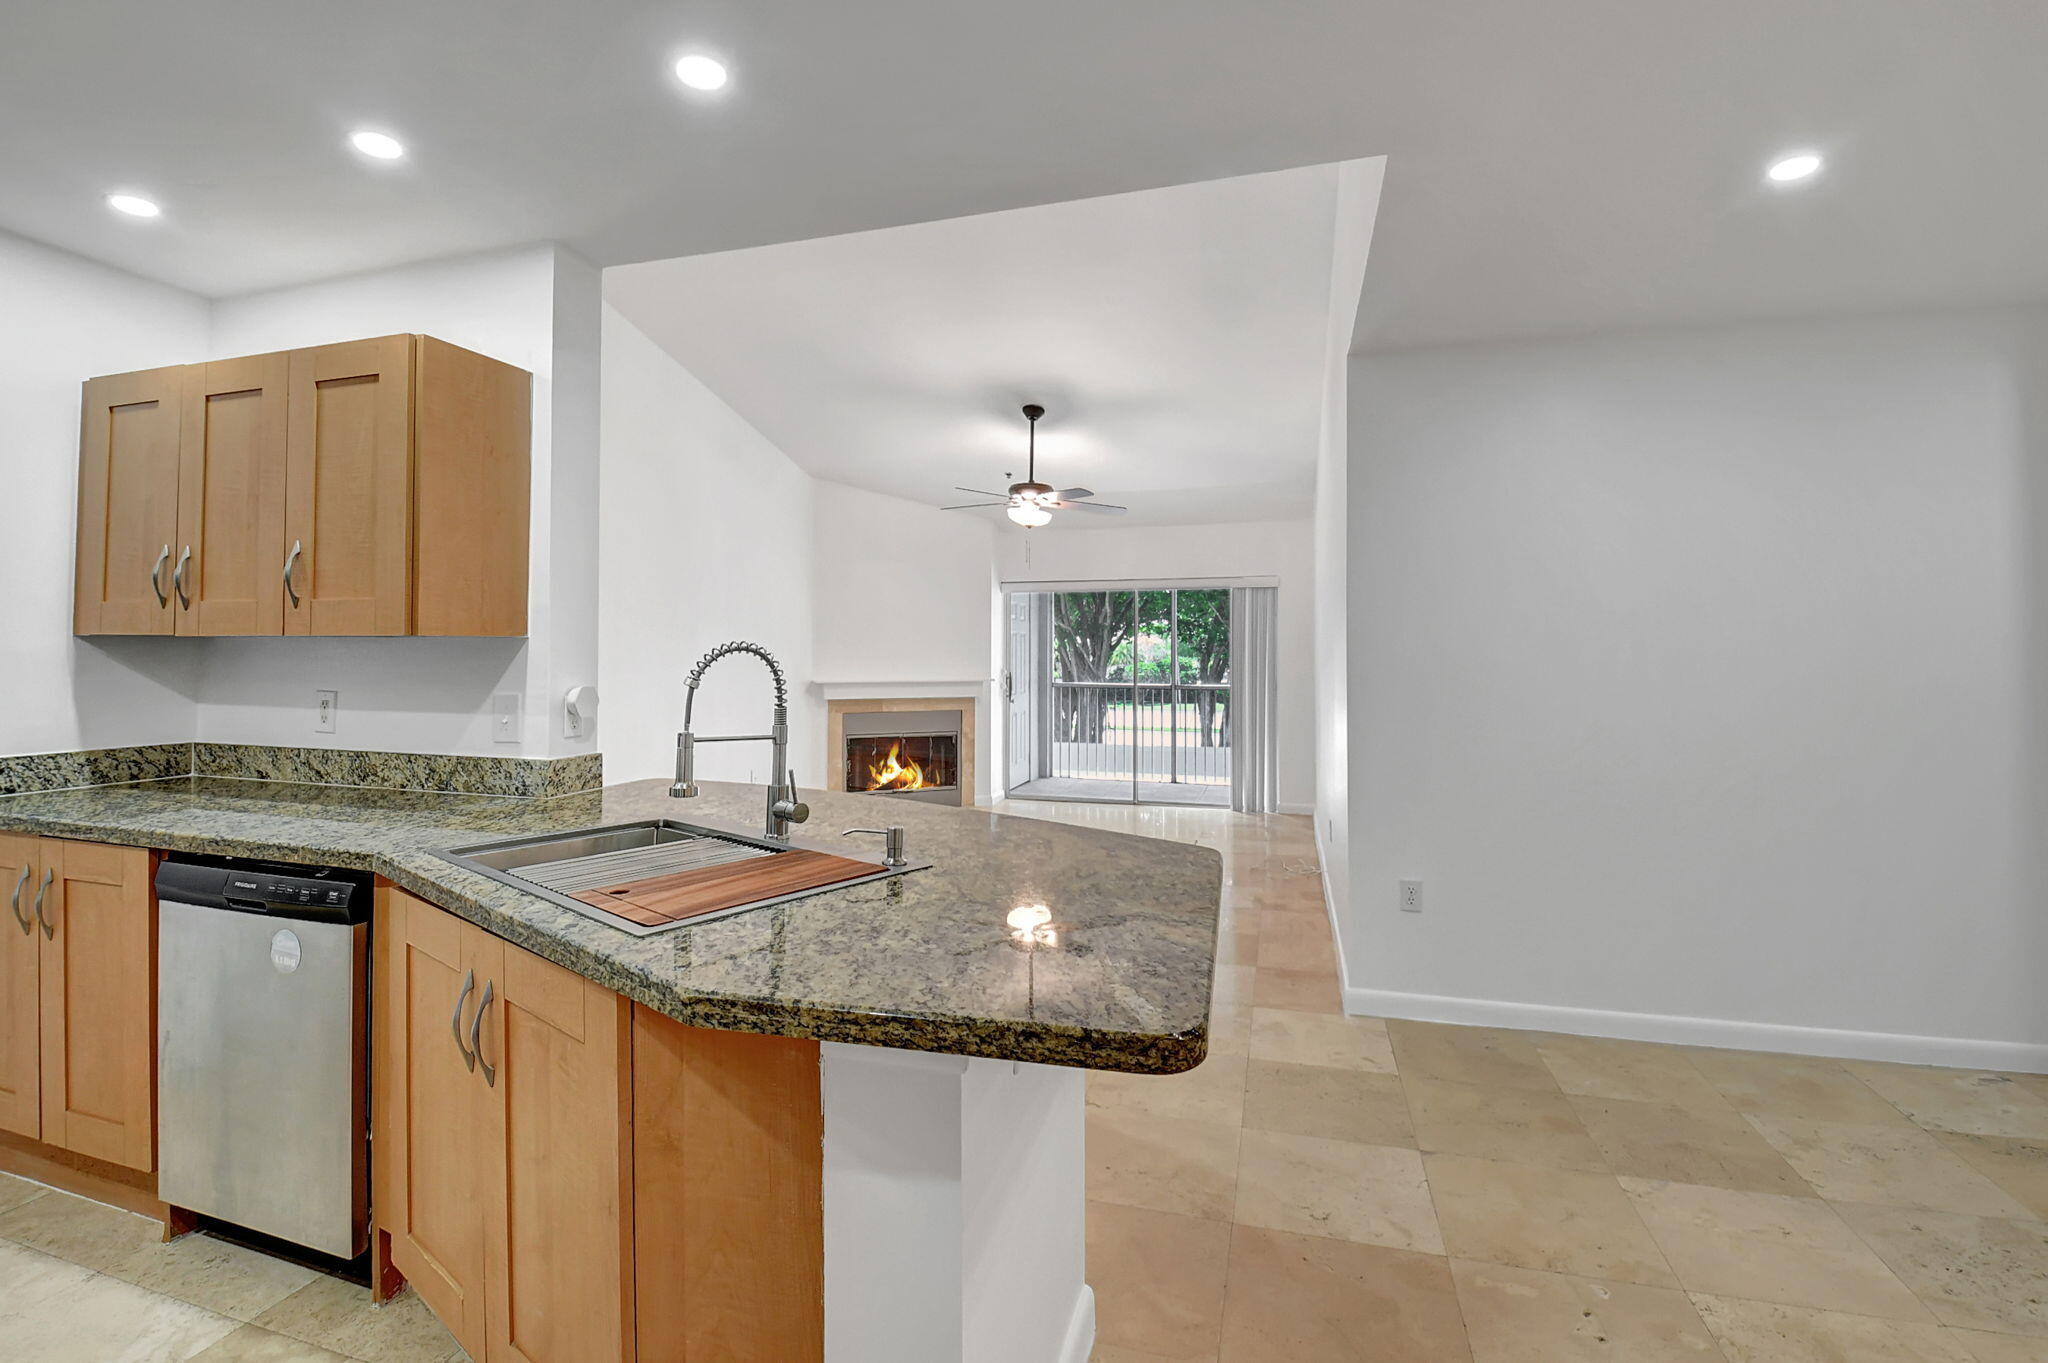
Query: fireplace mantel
{"type": "Point", "coordinates": [892, 690]}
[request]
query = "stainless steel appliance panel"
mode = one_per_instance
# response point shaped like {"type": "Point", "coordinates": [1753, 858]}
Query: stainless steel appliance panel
{"type": "Point", "coordinates": [261, 1083]}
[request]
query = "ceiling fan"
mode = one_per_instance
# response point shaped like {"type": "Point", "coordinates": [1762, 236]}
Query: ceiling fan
{"type": "Point", "coordinates": [1031, 503]}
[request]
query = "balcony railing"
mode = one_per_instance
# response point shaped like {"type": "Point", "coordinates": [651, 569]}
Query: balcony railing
{"type": "Point", "coordinates": [1158, 732]}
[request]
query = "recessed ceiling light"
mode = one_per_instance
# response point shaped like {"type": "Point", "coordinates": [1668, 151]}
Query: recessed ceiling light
{"type": "Point", "coordinates": [134, 205]}
{"type": "Point", "coordinates": [700, 72]}
{"type": "Point", "coordinates": [1799, 165]}
{"type": "Point", "coordinates": [380, 145]}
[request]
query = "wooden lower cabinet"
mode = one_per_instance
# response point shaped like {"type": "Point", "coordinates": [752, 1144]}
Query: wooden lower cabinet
{"type": "Point", "coordinates": [427, 1115]}
{"type": "Point", "coordinates": [728, 1178]}
{"type": "Point", "coordinates": [21, 1058]}
{"type": "Point", "coordinates": [78, 998]}
{"type": "Point", "coordinates": [600, 1182]}
{"type": "Point", "coordinates": [500, 1139]}
{"type": "Point", "coordinates": [557, 1119]}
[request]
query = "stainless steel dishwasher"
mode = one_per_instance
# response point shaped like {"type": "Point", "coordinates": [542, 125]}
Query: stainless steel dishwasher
{"type": "Point", "coordinates": [262, 1087]}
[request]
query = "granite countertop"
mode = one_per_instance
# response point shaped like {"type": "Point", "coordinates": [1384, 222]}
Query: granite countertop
{"type": "Point", "coordinates": [925, 961]}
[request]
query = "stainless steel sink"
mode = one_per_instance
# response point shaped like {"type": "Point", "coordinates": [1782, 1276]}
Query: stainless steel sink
{"type": "Point", "coordinates": [556, 866]}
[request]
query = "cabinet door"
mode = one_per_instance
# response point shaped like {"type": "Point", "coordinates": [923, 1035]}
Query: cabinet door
{"type": "Point", "coordinates": [20, 966]}
{"type": "Point", "coordinates": [128, 502]}
{"type": "Point", "coordinates": [99, 1002]}
{"type": "Point", "coordinates": [348, 489]}
{"type": "Point", "coordinates": [554, 1058]}
{"type": "Point", "coordinates": [471, 431]}
{"type": "Point", "coordinates": [231, 497]}
{"type": "Point", "coordinates": [429, 1124]}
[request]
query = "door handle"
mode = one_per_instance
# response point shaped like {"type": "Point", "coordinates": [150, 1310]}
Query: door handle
{"type": "Point", "coordinates": [178, 578]}
{"type": "Point", "coordinates": [455, 1023]}
{"type": "Point", "coordinates": [42, 892]}
{"type": "Point", "coordinates": [156, 576]}
{"type": "Point", "coordinates": [28, 925]}
{"type": "Point", "coordinates": [476, 1040]}
{"type": "Point", "coordinates": [291, 568]}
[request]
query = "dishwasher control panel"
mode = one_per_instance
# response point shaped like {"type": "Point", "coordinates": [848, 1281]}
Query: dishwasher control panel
{"type": "Point", "coordinates": [282, 893]}
{"type": "Point", "coordinates": [323, 894]}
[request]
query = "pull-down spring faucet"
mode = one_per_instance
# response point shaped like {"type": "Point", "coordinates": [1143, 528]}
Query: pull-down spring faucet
{"type": "Point", "coordinates": [784, 808]}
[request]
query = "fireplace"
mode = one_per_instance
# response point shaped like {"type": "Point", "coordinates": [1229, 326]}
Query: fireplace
{"type": "Point", "coordinates": [907, 754]}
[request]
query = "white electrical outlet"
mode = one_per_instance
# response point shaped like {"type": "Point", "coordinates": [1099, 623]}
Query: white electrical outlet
{"type": "Point", "coordinates": [325, 703]}
{"type": "Point", "coordinates": [505, 717]}
{"type": "Point", "coordinates": [1411, 896]}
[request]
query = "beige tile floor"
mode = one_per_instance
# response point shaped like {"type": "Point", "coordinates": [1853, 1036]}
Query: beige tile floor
{"type": "Point", "coordinates": [1333, 1188]}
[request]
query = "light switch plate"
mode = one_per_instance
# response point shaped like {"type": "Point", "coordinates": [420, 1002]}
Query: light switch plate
{"type": "Point", "coordinates": [505, 717]}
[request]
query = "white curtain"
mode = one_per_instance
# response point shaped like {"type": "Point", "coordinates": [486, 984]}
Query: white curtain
{"type": "Point", "coordinates": [1254, 677]}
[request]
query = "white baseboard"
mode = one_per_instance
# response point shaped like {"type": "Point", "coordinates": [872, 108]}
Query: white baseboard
{"type": "Point", "coordinates": [1080, 1342]}
{"type": "Point", "coordinates": [1294, 807]}
{"type": "Point", "coordinates": [1961, 1052]}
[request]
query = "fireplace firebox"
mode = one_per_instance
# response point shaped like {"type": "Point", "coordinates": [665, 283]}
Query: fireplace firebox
{"type": "Point", "coordinates": [912, 754]}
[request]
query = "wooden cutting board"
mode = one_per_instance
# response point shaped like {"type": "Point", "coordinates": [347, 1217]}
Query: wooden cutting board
{"type": "Point", "coordinates": [686, 894]}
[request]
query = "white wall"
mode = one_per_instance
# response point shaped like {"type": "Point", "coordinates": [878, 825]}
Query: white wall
{"type": "Point", "coordinates": [955, 1209]}
{"type": "Point", "coordinates": [62, 320]}
{"type": "Point", "coordinates": [707, 537]}
{"type": "Point", "coordinates": [1282, 549]}
{"type": "Point", "coordinates": [1700, 677]}
{"type": "Point", "coordinates": [905, 592]}
{"type": "Point", "coordinates": [1357, 211]}
{"type": "Point", "coordinates": [535, 307]}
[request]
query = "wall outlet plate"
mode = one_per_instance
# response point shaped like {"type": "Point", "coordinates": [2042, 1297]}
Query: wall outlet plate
{"type": "Point", "coordinates": [325, 704]}
{"type": "Point", "coordinates": [1411, 896]}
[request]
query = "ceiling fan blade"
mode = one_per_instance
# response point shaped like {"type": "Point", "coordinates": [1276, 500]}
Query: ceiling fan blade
{"type": "Point", "coordinates": [979, 491]}
{"type": "Point", "coordinates": [1091, 506]}
{"type": "Point", "coordinates": [969, 506]}
{"type": "Point", "coordinates": [1072, 494]}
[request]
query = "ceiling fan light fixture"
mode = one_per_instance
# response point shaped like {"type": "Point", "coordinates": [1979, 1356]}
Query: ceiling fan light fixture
{"type": "Point", "coordinates": [1028, 514]}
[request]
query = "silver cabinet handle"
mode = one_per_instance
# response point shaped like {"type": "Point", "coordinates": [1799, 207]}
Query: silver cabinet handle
{"type": "Point", "coordinates": [28, 925]}
{"type": "Point", "coordinates": [291, 568]}
{"type": "Point", "coordinates": [455, 1023]}
{"type": "Point", "coordinates": [178, 578]}
{"type": "Point", "coordinates": [476, 1041]}
{"type": "Point", "coordinates": [156, 576]}
{"type": "Point", "coordinates": [43, 890]}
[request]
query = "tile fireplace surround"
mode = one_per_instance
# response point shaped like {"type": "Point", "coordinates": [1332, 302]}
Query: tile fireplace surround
{"type": "Point", "coordinates": [837, 710]}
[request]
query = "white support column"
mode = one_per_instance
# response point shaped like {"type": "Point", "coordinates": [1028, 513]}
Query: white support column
{"type": "Point", "coordinates": [954, 1203]}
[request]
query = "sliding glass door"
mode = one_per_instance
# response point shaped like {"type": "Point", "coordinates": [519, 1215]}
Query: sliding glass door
{"type": "Point", "coordinates": [1132, 694]}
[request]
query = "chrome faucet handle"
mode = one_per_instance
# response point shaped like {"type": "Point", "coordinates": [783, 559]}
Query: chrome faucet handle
{"type": "Point", "coordinates": [787, 806]}
{"type": "Point", "coordinates": [892, 844]}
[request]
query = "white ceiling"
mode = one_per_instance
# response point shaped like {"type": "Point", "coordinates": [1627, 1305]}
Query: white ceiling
{"type": "Point", "coordinates": [1554, 166]}
{"type": "Point", "coordinates": [1175, 338]}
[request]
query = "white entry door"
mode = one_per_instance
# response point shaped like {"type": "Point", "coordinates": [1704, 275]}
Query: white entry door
{"type": "Point", "coordinates": [1019, 693]}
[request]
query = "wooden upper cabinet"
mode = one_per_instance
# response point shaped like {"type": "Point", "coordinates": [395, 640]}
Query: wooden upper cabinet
{"type": "Point", "coordinates": [370, 487]}
{"type": "Point", "coordinates": [472, 424]}
{"type": "Point", "coordinates": [98, 1002]}
{"type": "Point", "coordinates": [231, 497]}
{"type": "Point", "coordinates": [348, 493]}
{"type": "Point", "coordinates": [21, 1103]}
{"type": "Point", "coordinates": [128, 502]}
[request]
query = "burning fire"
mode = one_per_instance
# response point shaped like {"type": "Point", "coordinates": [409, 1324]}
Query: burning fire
{"type": "Point", "coordinates": [893, 774]}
